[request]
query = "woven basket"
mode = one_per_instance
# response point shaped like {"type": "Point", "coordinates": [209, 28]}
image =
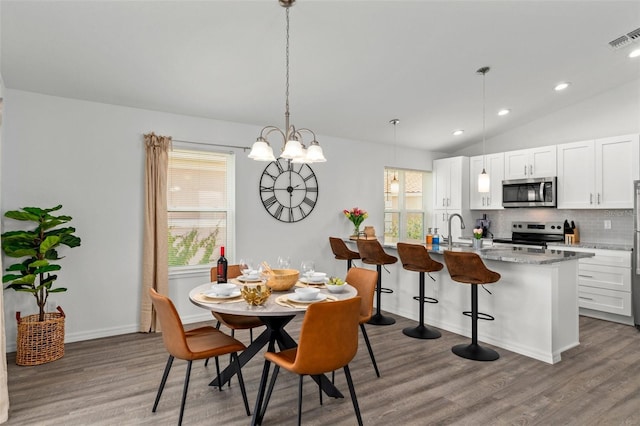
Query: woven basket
{"type": "Point", "coordinates": [40, 342]}
{"type": "Point", "coordinates": [283, 279]}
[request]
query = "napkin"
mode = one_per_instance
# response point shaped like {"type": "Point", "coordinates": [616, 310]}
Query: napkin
{"type": "Point", "coordinates": [204, 299]}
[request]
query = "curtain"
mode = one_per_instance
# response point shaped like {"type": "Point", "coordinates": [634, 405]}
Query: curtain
{"type": "Point", "coordinates": [155, 268]}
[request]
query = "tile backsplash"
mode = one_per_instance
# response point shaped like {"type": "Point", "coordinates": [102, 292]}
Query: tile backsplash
{"type": "Point", "coordinates": [590, 223]}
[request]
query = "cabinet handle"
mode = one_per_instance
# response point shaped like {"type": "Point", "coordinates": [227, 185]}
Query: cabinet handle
{"type": "Point", "coordinates": [585, 276]}
{"type": "Point", "coordinates": [531, 169]}
{"type": "Point", "coordinates": [483, 201]}
{"type": "Point", "coordinates": [525, 169]}
{"type": "Point", "coordinates": [590, 198]}
{"type": "Point", "coordinates": [448, 201]}
{"type": "Point", "coordinates": [488, 201]}
{"type": "Point", "coordinates": [444, 202]}
{"type": "Point", "coordinates": [584, 298]}
{"type": "Point", "coordinates": [598, 198]}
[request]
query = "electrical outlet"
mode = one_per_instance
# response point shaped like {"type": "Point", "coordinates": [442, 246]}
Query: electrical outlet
{"type": "Point", "coordinates": [607, 224]}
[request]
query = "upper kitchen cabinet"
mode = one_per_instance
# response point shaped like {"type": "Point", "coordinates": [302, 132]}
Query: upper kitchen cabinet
{"type": "Point", "coordinates": [530, 163]}
{"type": "Point", "coordinates": [451, 183]}
{"type": "Point", "coordinates": [494, 166]}
{"type": "Point", "coordinates": [598, 174]}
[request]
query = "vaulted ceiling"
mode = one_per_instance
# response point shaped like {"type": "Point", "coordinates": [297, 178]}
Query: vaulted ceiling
{"type": "Point", "coordinates": [355, 65]}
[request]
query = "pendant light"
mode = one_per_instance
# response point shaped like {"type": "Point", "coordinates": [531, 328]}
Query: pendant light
{"type": "Point", "coordinates": [484, 182]}
{"type": "Point", "coordinates": [293, 148]}
{"type": "Point", "coordinates": [395, 184]}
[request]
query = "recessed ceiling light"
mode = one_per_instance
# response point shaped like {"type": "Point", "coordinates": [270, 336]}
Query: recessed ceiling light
{"type": "Point", "coordinates": [504, 111]}
{"type": "Point", "coordinates": [562, 86]}
{"type": "Point", "coordinates": [634, 53]}
{"type": "Point", "coordinates": [458, 132]}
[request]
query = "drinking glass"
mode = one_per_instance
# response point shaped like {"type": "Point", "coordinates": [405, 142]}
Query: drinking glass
{"type": "Point", "coordinates": [307, 267]}
{"type": "Point", "coordinates": [283, 262]}
{"type": "Point", "coordinates": [246, 266]}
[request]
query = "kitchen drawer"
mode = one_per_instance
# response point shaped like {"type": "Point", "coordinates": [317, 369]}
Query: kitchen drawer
{"type": "Point", "coordinates": [605, 277]}
{"type": "Point", "coordinates": [616, 302]}
{"type": "Point", "coordinates": [618, 258]}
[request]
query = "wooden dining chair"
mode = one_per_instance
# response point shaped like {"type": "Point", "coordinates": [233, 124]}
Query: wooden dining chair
{"type": "Point", "coordinates": [200, 343]}
{"type": "Point", "coordinates": [365, 281]}
{"type": "Point", "coordinates": [328, 341]}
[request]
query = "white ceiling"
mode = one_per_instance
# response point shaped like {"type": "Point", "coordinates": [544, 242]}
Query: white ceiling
{"type": "Point", "coordinates": [354, 64]}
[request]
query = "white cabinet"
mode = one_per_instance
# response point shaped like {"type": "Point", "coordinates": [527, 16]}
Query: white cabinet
{"type": "Point", "coordinates": [451, 183]}
{"type": "Point", "coordinates": [604, 285]}
{"type": "Point", "coordinates": [494, 166]}
{"type": "Point", "coordinates": [530, 163]}
{"type": "Point", "coordinates": [598, 173]}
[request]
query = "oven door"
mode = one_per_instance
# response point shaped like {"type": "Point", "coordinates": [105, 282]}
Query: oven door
{"type": "Point", "coordinates": [539, 192]}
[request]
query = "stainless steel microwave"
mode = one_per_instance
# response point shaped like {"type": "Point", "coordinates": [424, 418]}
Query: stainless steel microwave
{"type": "Point", "coordinates": [535, 192]}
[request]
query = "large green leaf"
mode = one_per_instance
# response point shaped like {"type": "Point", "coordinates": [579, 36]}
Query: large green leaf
{"type": "Point", "coordinates": [21, 252]}
{"type": "Point", "coordinates": [49, 243]}
{"type": "Point", "coordinates": [18, 215]}
{"type": "Point", "coordinates": [10, 277]}
{"type": "Point", "coordinates": [58, 290]}
{"type": "Point", "coordinates": [47, 268]}
{"type": "Point", "coordinates": [38, 263]}
{"type": "Point", "coordinates": [17, 267]}
{"type": "Point", "coordinates": [24, 279]}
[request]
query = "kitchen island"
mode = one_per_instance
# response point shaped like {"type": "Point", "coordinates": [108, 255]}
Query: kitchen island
{"type": "Point", "coordinates": [535, 303]}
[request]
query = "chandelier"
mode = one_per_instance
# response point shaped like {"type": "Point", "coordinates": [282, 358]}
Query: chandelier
{"type": "Point", "coordinates": [293, 146]}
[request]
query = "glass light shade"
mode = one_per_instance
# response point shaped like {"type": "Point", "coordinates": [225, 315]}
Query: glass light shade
{"type": "Point", "coordinates": [484, 182]}
{"type": "Point", "coordinates": [315, 154]}
{"type": "Point", "coordinates": [303, 159]}
{"type": "Point", "coordinates": [395, 186]}
{"type": "Point", "coordinates": [261, 151]}
{"type": "Point", "coordinates": [292, 149]}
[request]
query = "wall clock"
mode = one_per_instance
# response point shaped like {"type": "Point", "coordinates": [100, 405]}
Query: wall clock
{"type": "Point", "coordinates": [289, 191]}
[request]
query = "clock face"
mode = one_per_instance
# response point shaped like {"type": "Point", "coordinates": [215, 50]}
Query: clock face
{"type": "Point", "coordinates": [288, 191]}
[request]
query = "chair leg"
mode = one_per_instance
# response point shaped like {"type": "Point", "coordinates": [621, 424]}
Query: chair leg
{"type": "Point", "coordinates": [184, 391]}
{"type": "Point", "coordinates": [257, 410]}
{"type": "Point", "coordinates": [276, 370]}
{"type": "Point", "coordinates": [251, 335]}
{"type": "Point", "coordinates": [167, 368]}
{"type": "Point", "coordinates": [241, 381]}
{"type": "Point", "coordinates": [218, 373]}
{"type": "Point", "coordinates": [320, 389]}
{"type": "Point", "coordinates": [366, 340]}
{"type": "Point", "coordinates": [300, 400]}
{"type": "Point", "coordinates": [352, 391]}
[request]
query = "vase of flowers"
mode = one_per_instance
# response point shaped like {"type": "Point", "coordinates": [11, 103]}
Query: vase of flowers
{"type": "Point", "coordinates": [356, 216]}
{"type": "Point", "coordinates": [477, 238]}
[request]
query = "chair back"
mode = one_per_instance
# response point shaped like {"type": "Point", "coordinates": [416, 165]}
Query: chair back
{"type": "Point", "coordinates": [328, 337]}
{"type": "Point", "coordinates": [468, 268]}
{"type": "Point", "coordinates": [341, 251]}
{"type": "Point", "coordinates": [415, 257]}
{"type": "Point", "coordinates": [233, 271]}
{"type": "Point", "coordinates": [173, 334]}
{"type": "Point", "coordinates": [371, 252]}
{"type": "Point", "coordinates": [364, 280]}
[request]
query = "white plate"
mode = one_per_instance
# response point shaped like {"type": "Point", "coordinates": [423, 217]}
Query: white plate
{"type": "Point", "coordinates": [246, 279]}
{"type": "Point", "coordinates": [306, 280]}
{"type": "Point", "coordinates": [294, 297]}
{"type": "Point", "coordinates": [213, 295]}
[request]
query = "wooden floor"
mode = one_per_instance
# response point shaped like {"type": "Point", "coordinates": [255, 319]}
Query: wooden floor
{"type": "Point", "coordinates": [113, 381]}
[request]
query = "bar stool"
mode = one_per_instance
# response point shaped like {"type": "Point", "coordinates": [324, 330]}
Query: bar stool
{"type": "Point", "coordinates": [468, 268]}
{"type": "Point", "coordinates": [372, 253]}
{"type": "Point", "coordinates": [342, 252]}
{"type": "Point", "coordinates": [415, 257]}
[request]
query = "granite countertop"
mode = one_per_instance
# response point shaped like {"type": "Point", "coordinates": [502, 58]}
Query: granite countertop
{"type": "Point", "coordinates": [600, 246]}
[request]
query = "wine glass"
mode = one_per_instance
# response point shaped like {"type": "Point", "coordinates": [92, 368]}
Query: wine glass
{"type": "Point", "coordinates": [246, 266]}
{"type": "Point", "coordinates": [283, 262]}
{"type": "Point", "coordinates": [307, 267]}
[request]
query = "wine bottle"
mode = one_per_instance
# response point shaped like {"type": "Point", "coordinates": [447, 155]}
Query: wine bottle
{"type": "Point", "coordinates": [222, 267]}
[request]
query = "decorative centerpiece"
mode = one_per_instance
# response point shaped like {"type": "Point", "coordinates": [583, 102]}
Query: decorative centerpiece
{"type": "Point", "coordinates": [477, 238]}
{"type": "Point", "coordinates": [255, 296]}
{"type": "Point", "coordinates": [356, 216]}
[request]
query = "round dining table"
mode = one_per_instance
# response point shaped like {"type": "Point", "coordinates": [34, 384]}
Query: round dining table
{"type": "Point", "coordinates": [276, 313]}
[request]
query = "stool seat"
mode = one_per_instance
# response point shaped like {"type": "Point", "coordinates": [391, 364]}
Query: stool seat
{"type": "Point", "coordinates": [468, 268]}
{"type": "Point", "coordinates": [372, 253]}
{"type": "Point", "coordinates": [342, 252]}
{"type": "Point", "coordinates": [415, 257]}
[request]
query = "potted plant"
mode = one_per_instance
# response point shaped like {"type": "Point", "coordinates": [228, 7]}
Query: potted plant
{"type": "Point", "coordinates": [40, 336]}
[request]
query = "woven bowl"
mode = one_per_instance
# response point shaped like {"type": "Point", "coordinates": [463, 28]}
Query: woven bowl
{"type": "Point", "coordinates": [283, 279]}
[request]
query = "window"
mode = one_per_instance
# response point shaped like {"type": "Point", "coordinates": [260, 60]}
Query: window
{"type": "Point", "coordinates": [405, 210]}
{"type": "Point", "coordinates": [201, 207]}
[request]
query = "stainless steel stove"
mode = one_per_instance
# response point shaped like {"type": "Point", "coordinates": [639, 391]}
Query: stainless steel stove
{"type": "Point", "coordinates": [534, 234]}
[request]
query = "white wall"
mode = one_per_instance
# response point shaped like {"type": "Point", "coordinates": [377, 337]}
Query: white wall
{"type": "Point", "coordinates": [616, 112]}
{"type": "Point", "coordinates": [89, 157]}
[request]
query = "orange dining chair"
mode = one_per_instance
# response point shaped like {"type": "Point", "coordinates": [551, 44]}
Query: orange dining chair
{"type": "Point", "coordinates": [328, 341]}
{"type": "Point", "coordinates": [365, 281]}
{"type": "Point", "coordinates": [235, 322]}
{"type": "Point", "coordinates": [342, 252]}
{"type": "Point", "coordinates": [200, 343]}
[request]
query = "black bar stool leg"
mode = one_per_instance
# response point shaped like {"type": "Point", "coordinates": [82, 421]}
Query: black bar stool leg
{"type": "Point", "coordinates": [348, 264]}
{"type": "Point", "coordinates": [474, 351]}
{"type": "Point", "coordinates": [378, 318]}
{"type": "Point", "coordinates": [421, 331]}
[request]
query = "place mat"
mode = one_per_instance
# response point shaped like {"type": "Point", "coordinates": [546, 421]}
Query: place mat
{"type": "Point", "coordinates": [283, 300]}
{"type": "Point", "coordinates": [301, 284]}
{"type": "Point", "coordinates": [204, 299]}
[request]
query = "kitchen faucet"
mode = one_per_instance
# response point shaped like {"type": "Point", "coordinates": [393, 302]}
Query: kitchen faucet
{"type": "Point", "coordinates": [450, 239]}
